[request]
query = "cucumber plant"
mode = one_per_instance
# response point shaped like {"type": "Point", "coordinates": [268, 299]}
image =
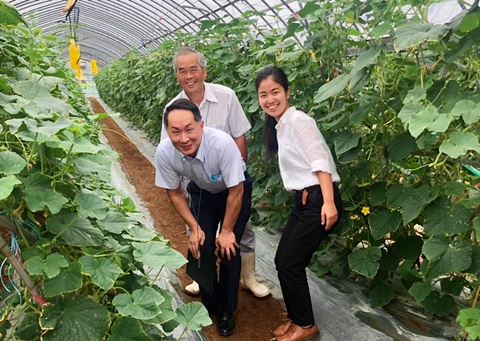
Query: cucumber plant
{"type": "Point", "coordinates": [91, 266]}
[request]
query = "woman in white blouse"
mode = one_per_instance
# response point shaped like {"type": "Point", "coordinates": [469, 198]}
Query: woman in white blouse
{"type": "Point", "coordinates": [307, 168]}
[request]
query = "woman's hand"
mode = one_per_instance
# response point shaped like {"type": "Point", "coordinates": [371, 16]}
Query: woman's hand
{"type": "Point", "coordinates": [329, 214]}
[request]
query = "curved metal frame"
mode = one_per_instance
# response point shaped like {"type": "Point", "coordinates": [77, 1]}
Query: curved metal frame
{"type": "Point", "coordinates": [110, 29]}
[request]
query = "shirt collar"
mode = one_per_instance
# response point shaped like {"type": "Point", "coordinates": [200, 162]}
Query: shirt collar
{"type": "Point", "coordinates": [209, 95]}
{"type": "Point", "coordinates": [283, 120]}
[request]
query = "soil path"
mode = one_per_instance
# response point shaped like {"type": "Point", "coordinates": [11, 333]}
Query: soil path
{"type": "Point", "coordinates": [256, 319]}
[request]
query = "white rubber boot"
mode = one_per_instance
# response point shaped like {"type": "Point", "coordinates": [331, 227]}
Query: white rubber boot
{"type": "Point", "coordinates": [193, 289]}
{"type": "Point", "coordinates": [248, 280]}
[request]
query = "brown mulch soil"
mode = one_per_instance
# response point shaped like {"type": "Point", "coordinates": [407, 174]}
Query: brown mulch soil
{"type": "Point", "coordinates": [256, 319]}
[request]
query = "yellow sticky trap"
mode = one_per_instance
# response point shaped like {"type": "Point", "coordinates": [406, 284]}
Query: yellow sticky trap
{"type": "Point", "coordinates": [69, 5]}
{"type": "Point", "coordinates": [79, 74]}
{"type": "Point", "coordinates": [93, 65]}
{"type": "Point", "coordinates": [73, 53]}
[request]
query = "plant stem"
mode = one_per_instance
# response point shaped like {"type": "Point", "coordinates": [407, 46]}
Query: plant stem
{"type": "Point", "coordinates": [474, 303]}
{"type": "Point", "coordinates": [67, 226]}
{"type": "Point", "coordinates": [8, 225]}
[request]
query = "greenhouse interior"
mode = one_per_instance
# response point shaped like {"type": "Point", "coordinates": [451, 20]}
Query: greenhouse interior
{"type": "Point", "coordinates": [98, 245]}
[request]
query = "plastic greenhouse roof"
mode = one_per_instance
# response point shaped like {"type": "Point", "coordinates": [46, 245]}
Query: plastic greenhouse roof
{"type": "Point", "coordinates": [108, 30]}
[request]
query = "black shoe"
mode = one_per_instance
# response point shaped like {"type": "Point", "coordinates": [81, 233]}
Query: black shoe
{"type": "Point", "coordinates": [226, 323]}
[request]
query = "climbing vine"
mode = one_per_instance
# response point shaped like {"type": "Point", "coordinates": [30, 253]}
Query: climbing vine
{"type": "Point", "coordinates": [78, 265]}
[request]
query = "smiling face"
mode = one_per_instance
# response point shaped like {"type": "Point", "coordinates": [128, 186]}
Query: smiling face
{"type": "Point", "coordinates": [184, 131]}
{"type": "Point", "coordinates": [273, 98]}
{"type": "Point", "coordinates": [190, 75]}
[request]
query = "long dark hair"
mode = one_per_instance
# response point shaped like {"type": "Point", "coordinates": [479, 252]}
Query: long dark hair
{"type": "Point", "coordinates": [269, 136]}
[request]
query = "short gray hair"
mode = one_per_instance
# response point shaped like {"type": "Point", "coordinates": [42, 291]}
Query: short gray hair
{"type": "Point", "coordinates": [187, 50]}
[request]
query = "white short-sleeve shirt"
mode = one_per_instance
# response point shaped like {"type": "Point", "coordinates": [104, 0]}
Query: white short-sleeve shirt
{"type": "Point", "coordinates": [217, 165]}
{"type": "Point", "coordinates": [302, 151]}
{"type": "Point", "coordinates": [220, 109]}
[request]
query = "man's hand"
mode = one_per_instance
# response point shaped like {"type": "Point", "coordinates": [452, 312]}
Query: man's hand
{"type": "Point", "coordinates": [196, 239]}
{"type": "Point", "coordinates": [226, 243]}
{"type": "Point", "coordinates": [180, 203]}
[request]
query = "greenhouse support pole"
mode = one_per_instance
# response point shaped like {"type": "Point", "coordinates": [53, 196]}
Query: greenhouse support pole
{"type": "Point", "coordinates": [21, 272]}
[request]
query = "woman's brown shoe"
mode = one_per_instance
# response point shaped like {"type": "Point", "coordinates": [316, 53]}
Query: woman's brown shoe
{"type": "Point", "coordinates": [283, 328]}
{"type": "Point", "coordinates": [297, 333]}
